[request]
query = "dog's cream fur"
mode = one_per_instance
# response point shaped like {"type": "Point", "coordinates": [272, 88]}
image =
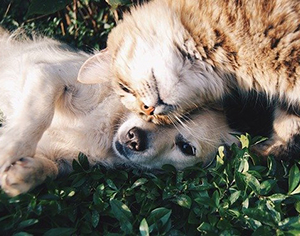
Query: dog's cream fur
{"type": "Point", "coordinates": [50, 118]}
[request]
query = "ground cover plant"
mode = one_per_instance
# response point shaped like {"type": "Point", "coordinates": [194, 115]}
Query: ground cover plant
{"type": "Point", "coordinates": [239, 194]}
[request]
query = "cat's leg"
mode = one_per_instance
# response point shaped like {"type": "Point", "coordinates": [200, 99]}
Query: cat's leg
{"type": "Point", "coordinates": [285, 140]}
{"type": "Point", "coordinates": [26, 173]}
{"type": "Point", "coordinates": [32, 114]}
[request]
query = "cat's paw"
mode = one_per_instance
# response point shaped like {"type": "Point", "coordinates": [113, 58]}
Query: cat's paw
{"type": "Point", "coordinates": [263, 149]}
{"type": "Point", "coordinates": [23, 175]}
{"type": "Point", "coordinates": [275, 148]}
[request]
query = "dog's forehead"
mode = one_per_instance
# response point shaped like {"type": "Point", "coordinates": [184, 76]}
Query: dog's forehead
{"type": "Point", "coordinates": [201, 119]}
{"type": "Point", "coordinates": [200, 124]}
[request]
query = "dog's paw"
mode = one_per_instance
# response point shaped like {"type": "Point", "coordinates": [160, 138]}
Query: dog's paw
{"type": "Point", "coordinates": [23, 175]}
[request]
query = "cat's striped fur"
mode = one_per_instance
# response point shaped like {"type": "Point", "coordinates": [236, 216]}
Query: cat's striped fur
{"type": "Point", "coordinates": [169, 57]}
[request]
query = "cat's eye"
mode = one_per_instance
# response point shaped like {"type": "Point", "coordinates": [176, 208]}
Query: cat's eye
{"type": "Point", "coordinates": [124, 88]}
{"type": "Point", "coordinates": [186, 148]}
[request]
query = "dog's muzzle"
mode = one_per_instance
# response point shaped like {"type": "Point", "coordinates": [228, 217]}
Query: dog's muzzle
{"type": "Point", "coordinates": [133, 142]}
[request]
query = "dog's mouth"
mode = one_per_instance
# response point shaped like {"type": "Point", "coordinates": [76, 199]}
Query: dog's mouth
{"type": "Point", "coordinates": [120, 149]}
{"type": "Point", "coordinates": [132, 143]}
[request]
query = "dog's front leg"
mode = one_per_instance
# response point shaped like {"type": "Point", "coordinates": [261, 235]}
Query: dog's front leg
{"type": "Point", "coordinates": [32, 114]}
{"type": "Point", "coordinates": [27, 173]}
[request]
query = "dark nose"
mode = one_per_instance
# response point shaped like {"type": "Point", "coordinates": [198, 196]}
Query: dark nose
{"type": "Point", "coordinates": [136, 139]}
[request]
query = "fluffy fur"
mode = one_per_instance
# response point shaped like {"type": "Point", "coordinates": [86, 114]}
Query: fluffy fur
{"type": "Point", "coordinates": [50, 118]}
{"type": "Point", "coordinates": [169, 57]}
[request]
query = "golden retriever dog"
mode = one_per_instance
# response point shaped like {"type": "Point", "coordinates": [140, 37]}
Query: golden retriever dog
{"type": "Point", "coordinates": [49, 117]}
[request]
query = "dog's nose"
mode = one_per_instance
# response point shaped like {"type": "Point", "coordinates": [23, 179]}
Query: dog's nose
{"type": "Point", "coordinates": [136, 139]}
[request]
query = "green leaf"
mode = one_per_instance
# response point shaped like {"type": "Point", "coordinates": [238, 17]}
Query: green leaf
{"type": "Point", "coordinates": [234, 213]}
{"type": "Point", "coordinates": [183, 201]}
{"type": "Point", "coordinates": [206, 201]}
{"type": "Point", "coordinates": [22, 234]}
{"type": "Point", "coordinates": [267, 186]}
{"type": "Point", "coordinates": [60, 232]}
{"type": "Point", "coordinates": [277, 197]}
{"type": "Point", "coordinates": [244, 166]}
{"type": "Point", "coordinates": [272, 166]}
{"type": "Point", "coordinates": [138, 182]}
{"type": "Point", "coordinates": [27, 223]}
{"type": "Point", "coordinates": [45, 7]}
{"type": "Point", "coordinates": [83, 161]}
{"type": "Point", "coordinates": [79, 180]}
{"type": "Point", "coordinates": [244, 139]}
{"type": "Point", "coordinates": [290, 233]}
{"type": "Point", "coordinates": [216, 198]}
{"type": "Point", "coordinates": [220, 156]}
{"type": "Point", "coordinates": [116, 3]}
{"type": "Point", "coordinates": [239, 180]}
{"type": "Point", "coordinates": [296, 190]}
{"type": "Point", "coordinates": [252, 182]}
{"type": "Point", "coordinates": [245, 203]}
{"type": "Point", "coordinates": [157, 217]}
{"type": "Point", "coordinates": [290, 223]}
{"type": "Point", "coordinates": [221, 150]}
{"type": "Point", "coordinates": [95, 218]}
{"type": "Point", "coordinates": [258, 139]}
{"type": "Point", "coordinates": [206, 228]}
{"type": "Point", "coordinates": [144, 228]}
{"type": "Point", "coordinates": [297, 207]}
{"type": "Point", "coordinates": [234, 197]}
{"type": "Point", "coordinates": [224, 224]}
{"type": "Point", "coordinates": [76, 166]}
{"type": "Point", "coordinates": [111, 184]}
{"type": "Point", "coordinates": [263, 230]}
{"type": "Point", "coordinates": [260, 215]}
{"type": "Point", "coordinates": [192, 218]}
{"type": "Point", "coordinates": [294, 178]}
{"type": "Point", "coordinates": [122, 213]}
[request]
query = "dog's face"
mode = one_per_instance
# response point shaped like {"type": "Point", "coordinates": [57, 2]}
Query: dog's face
{"type": "Point", "coordinates": [195, 140]}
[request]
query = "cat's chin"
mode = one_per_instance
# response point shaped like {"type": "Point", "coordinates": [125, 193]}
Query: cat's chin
{"type": "Point", "coordinates": [173, 117]}
{"type": "Point", "coordinates": [159, 119]}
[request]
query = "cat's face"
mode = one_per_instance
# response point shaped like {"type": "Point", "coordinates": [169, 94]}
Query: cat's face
{"type": "Point", "coordinates": [156, 69]}
{"type": "Point", "coordinates": [160, 79]}
{"type": "Point", "coordinates": [161, 82]}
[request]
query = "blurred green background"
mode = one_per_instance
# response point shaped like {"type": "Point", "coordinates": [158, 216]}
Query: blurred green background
{"type": "Point", "coordinates": [83, 24]}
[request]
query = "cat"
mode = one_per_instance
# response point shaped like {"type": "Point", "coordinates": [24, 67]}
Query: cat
{"type": "Point", "coordinates": [50, 118]}
{"type": "Point", "coordinates": [169, 57]}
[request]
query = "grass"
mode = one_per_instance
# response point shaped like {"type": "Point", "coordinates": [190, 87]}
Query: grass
{"type": "Point", "coordinates": [237, 195]}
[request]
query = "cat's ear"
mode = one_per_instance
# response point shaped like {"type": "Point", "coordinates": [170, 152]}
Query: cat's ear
{"type": "Point", "coordinates": [96, 69]}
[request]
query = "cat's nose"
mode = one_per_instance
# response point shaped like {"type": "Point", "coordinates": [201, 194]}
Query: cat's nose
{"type": "Point", "coordinates": [136, 139]}
{"type": "Point", "coordinates": [148, 110]}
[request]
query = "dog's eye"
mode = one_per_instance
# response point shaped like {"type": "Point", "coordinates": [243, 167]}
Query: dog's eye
{"type": "Point", "coordinates": [124, 88]}
{"type": "Point", "coordinates": [186, 148]}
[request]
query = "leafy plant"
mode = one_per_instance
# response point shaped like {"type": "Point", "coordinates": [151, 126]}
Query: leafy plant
{"type": "Point", "coordinates": [237, 195]}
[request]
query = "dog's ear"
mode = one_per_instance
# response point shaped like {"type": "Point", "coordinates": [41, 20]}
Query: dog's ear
{"type": "Point", "coordinates": [96, 69]}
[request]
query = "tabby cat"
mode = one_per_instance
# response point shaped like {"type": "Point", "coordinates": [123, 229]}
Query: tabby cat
{"type": "Point", "coordinates": [168, 57]}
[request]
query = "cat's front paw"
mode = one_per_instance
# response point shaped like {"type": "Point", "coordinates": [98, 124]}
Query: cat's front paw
{"type": "Point", "coordinates": [276, 148]}
{"type": "Point", "coordinates": [24, 174]}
